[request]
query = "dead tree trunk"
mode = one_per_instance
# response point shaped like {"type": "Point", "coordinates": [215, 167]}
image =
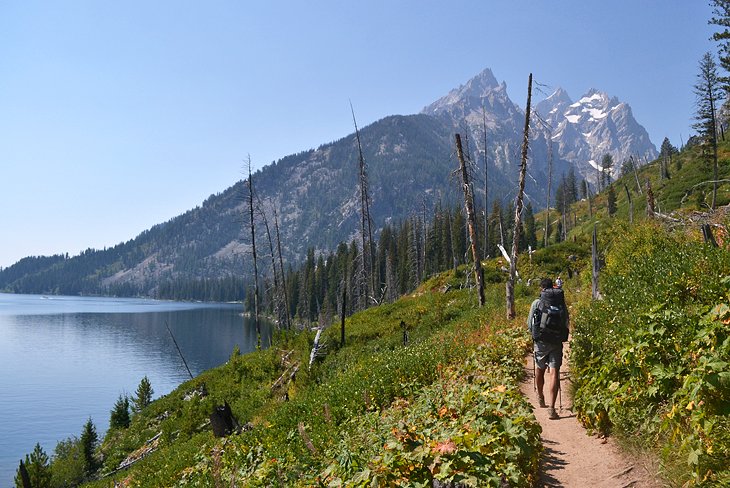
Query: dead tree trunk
{"type": "Point", "coordinates": [636, 174]}
{"type": "Point", "coordinates": [549, 188]}
{"type": "Point", "coordinates": [365, 222]}
{"type": "Point", "coordinates": [707, 235]}
{"type": "Point", "coordinates": [342, 313]}
{"type": "Point", "coordinates": [277, 290]}
{"type": "Point", "coordinates": [281, 269]}
{"type": "Point", "coordinates": [471, 220]}
{"type": "Point", "coordinates": [486, 186]}
{"type": "Point", "coordinates": [255, 262]}
{"type": "Point", "coordinates": [649, 200]}
{"type": "Point", "coordinates": [596, 265]}
{"type": "Point", "coordinates": [518, 207]}
{"type": "Point", "coordinates": [590, 202]}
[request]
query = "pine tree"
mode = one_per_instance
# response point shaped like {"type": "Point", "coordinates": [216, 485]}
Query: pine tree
{"type": "Point", "coordinates": [606, 165]}
{"type": "Point", "coordinates": [571, 183]}
{"type": "Point", "coordinates": [459, 236]}
{"type": "Point", "coordinates": [627, 167]}
{"type": "Point", "coordinates": [611, 197]}
{"type": "Point", "coordinates": [88, 441]}
{"type": "Point", "coordinates": [721, 18]}
{"type": "Point", "coordinates": [709, 95]}
{"type": "Point", "coordinates": [68, 467]}
{"type": "Point", "coordinates": [143, 395]}
{"type": "Point", "coordinates": [38, 467]}
{"type": "Point", "coordinates": [530, 227]}
{"type": "Point", "coordinates": [119, 418]}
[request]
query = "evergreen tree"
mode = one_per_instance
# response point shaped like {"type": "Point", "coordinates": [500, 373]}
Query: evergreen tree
{"type": "Point", "coordinates": [495, 227]}
{"type": "Point", "coordinates": [627, 167]}
{"type": "Point", "coordinates": [447, 258]}
{"type": "Point", "coordinates": [459, 232]}
{"type": "Point", "coordinates": [433, 244]}
{"type": "Point", "coordinates": [68, 467]}
{"type": "Point", "coordinates": [88, 443]}
{"type": "Point", "coordinates": [119, 418]}
{"type": "Point", "coordinates": [583, 189]}
{"type": "Point", "coordinates": [571, 183]}
{"type": "Point", "coordinates": [561, 194]}
{"type": "Point", "coordinates": [721, 18]}
{"type": "Point", "coordinates": [38, 468]}
{"type": "Point", "coordinates": [709, 95]}
{"type": "Point", "coordinates": [611, 197]}
{"type": "Point", "coordinates": [530, 227]}
{"type": "Point", "coordinates": [403, 269]}
{"type": "Point", "coordinates": [606, 166]}
{"type": "Point", "coordinates": [143, 395]}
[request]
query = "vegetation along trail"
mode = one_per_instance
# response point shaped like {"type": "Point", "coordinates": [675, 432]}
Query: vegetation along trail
{"type": "Point", "coordinates": [571, 457]}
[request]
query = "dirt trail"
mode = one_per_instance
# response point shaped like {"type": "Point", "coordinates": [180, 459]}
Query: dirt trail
{"type": "Point", "coordinates": [571, 458]}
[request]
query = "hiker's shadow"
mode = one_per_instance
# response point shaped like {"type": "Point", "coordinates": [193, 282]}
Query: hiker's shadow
{"type": "Point", "coordinates": [552, 460]}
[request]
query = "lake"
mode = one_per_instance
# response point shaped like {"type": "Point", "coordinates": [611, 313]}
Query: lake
{"type": "Point", "coordinates": [65, 359]}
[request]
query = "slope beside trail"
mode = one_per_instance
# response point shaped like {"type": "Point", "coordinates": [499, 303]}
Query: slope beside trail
{"type": "Point", "coordinates": [573, 459]}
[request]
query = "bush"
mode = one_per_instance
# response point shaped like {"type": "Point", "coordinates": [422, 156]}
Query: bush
{"type": "Point", "coordinates": [651, 361]}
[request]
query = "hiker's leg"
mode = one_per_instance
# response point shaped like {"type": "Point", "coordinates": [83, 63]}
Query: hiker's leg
{"type": "Point", "coordinates": [554, 385]}
{"type": "Point", "coordinates": [539, 381]}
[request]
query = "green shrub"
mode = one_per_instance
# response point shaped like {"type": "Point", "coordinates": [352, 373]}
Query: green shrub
{"type": "Point", "coordinates": [651, 360]}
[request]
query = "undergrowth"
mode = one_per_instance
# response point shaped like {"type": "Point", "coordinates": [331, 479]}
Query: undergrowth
{"type": "Point", "coordinates": [443, 403]}
{"type": "Point", "coordinates": [651, 360]}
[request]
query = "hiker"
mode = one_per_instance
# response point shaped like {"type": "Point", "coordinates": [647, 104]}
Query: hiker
{"type": "Point", "coordinates": [548, 323]}
{"type": "Point", "coordinates": [558, 282]}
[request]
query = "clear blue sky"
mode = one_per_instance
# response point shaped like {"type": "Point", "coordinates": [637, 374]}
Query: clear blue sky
{"type": "Point", "coordinates": [115, 116]}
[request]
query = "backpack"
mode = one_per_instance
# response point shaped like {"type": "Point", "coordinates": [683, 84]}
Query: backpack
{"type": "Point", "coordinates": [550, 319]}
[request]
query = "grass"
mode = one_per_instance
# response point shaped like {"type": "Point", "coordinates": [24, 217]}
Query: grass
{"type": "Point", "coordinates": [650, 361]}
{"type": "Point", "coordinates": [352, 418]}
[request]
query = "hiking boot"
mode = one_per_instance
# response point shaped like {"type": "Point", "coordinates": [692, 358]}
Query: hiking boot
{"type": "Point", "coordinates": [552, 414]}
{"type": "Point", "coordinates": [541, 401]}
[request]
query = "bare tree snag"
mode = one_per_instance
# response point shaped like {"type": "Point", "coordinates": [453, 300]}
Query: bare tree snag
{"type": "Point", "coordinates": [550, 184]}
{"type": "Point", "coordinates": [365, 221]}
{"type": "Point", "coordinates": [255, 263]}
{"type": "Point", "coordinates": [342, 315]}
{"type": "Point", "coordinates": [518, 207]}
{"type": "Point", "coordinates": [471, 220]}
{"type": "Point", "coordinates": [707, 235]}
{"type": "Point", "coordinates": [636, 174]}
{"type": "Point", "coordinates": [649, 200]}
{"type": "Point", "coordinates": [596, 265]}
{"type": "Point", "coordinates": [486, 185]}
{"type": "Point", "coordinates": [287, 322]}
{"type": "Point", "coordinates": [278, 305]}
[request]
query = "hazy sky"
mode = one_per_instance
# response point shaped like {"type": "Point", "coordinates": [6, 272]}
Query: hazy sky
{"type": "Point", "coordinates": [115, 116]}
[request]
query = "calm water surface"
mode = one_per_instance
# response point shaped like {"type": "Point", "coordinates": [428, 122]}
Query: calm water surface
{"type": "Point", "coordinates": [65, 359]}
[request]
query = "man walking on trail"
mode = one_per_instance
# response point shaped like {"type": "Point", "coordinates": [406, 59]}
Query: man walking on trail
{"type": "Point", "coordinates": [548, 323]}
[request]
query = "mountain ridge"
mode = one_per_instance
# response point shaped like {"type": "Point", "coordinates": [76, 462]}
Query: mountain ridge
{"type": "Point", "coordinates": [409, 159]}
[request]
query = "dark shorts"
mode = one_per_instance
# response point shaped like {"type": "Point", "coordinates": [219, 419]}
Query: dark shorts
{"type": "Point", "coordinates": [548, 355]}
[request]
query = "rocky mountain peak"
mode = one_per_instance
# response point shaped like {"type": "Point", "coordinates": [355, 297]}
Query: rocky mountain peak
{"type": "Point", "coordinates": [468, 95]}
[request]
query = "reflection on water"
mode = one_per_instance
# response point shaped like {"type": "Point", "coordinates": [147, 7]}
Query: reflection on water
{"type": "Point", "coordinates": [65, 359]}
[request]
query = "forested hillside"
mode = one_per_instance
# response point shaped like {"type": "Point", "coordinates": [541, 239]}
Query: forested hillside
{"type": "Point", "coordinates": [312, 199]}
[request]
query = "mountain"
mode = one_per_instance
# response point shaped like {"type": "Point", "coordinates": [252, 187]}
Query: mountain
{"type": "Point", "coordinates": [593, 126]}
{"type": "Point", "coordinates": [409, 162]}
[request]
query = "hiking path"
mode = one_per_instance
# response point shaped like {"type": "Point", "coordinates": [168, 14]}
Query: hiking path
{"type": "Point", "coordinates": [573, 459]}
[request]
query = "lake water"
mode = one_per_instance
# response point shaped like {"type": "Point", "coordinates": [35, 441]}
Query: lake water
{"type": "Point", "coordinates": [65, 359]}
